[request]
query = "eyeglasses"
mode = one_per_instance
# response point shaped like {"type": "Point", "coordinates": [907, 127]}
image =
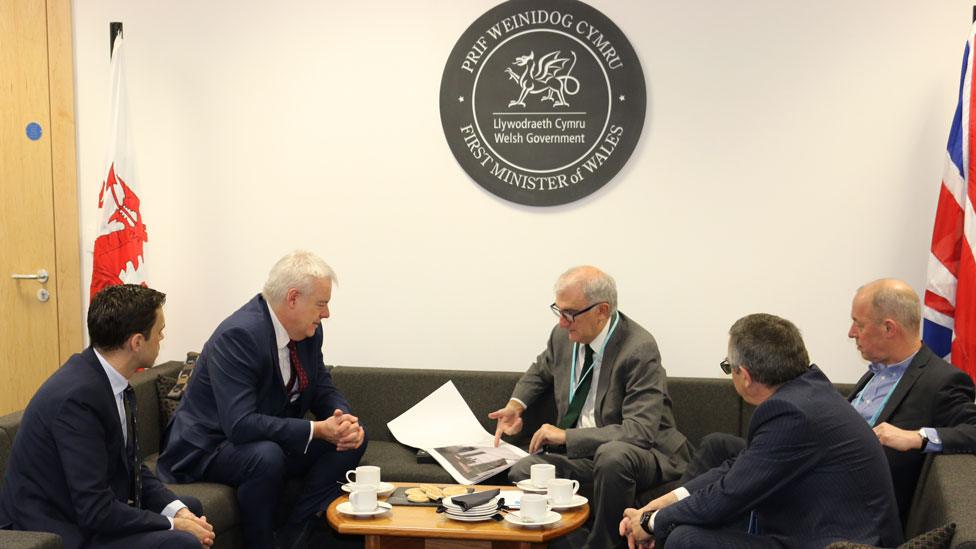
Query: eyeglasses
{"type": "Point", "coordinates": [570, 315]}
{"type": "Point", "coordinates": [726, 366]}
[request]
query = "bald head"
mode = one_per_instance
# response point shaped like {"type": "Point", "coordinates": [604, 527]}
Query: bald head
{"type": "Point", "coordinates": [885, 320]}
{"type": "Point", "coordinates": [893, 299]}
{"type": "Point", "coordinates": [596, 285]}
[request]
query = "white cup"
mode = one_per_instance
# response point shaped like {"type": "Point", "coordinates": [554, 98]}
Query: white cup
{"type": "Point", "coordinates": [364, 475]}
{"type": "Point", "coordinates": [363, 499]}
{"type": "Point", "coordinates": [541, 474]}
{"type": "Point", "coordinates": [533, 507]}
{"type": "Point", "coordinates": [562, 490]}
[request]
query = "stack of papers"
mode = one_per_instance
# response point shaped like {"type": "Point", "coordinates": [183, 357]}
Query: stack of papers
{"type": "Point", "coordinates": [459, 442]}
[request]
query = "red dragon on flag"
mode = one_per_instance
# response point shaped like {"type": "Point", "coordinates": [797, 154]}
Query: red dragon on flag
{"type": "Point", "coordinates": [118, 246]}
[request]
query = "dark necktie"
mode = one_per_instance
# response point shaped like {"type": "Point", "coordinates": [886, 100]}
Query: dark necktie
{"type": "Point", "coordinates": [132, 446]}
{"type": "Point", "coordinates": [582, 390]}
{"type": "Point", "coordinates": [296, 370]}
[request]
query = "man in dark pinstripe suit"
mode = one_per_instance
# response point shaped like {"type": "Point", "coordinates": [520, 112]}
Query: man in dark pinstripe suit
{"type": "Point", "coordinates": [812, 471]}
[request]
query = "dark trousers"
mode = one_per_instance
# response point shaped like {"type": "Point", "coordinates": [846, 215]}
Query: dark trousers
{"type": "Point", "coordinates": [159, 539]}
{"type": "Point", "coordinates": [259, 471]}
{"type": "Point", "coordinates": [618, 471]}
{"type": "Point", "coordinates": [713, 450]}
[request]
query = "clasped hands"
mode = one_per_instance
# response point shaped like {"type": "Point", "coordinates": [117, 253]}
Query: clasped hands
{"type": "Point", "coordinates": [341, 429]}
{"type": "Point", "coordinates": [509, 421]}
{"type": "Point", "coordinates": [630, 527]}
{"type": "Point", "coordinates": [186, 521]}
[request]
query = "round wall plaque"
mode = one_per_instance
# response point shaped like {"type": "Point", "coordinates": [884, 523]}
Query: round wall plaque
{"type": "Point", "coordinates": [542, 102]}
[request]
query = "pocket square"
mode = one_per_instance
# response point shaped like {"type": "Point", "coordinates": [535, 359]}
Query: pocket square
{"type": "Point", "coordinates": [473, 500]}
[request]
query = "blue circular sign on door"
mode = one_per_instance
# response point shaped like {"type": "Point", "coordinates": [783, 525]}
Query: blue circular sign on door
{"type": "Point", "coordinates": [33, 131]}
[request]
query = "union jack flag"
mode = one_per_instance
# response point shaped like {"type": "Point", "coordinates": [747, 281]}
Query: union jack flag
{"type": "Point", "coordinates": [949, 313]}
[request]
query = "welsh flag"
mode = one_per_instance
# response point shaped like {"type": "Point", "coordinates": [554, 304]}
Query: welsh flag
{"type": "Point", "coordinates": [118, 254]}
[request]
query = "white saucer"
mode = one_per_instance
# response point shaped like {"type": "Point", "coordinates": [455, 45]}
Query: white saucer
{"type": "Point", "coordinates": [469, 519]}
{"type": "Point", "coordinates": [575, 502]}
{"type": "Point", "coordinates": [527, 486]}
{"type": "Point", "coordinates": [485, 513]}
{"type": "Point", "coordinates": [550, 518]}
{"type": "Point", "coordinates": [346, 508]}
{"type": "Point", "coordinates": [382, 489]}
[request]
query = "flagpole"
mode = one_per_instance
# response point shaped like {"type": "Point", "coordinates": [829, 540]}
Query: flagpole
{"type": "Point", "coordinates": [115, 30]}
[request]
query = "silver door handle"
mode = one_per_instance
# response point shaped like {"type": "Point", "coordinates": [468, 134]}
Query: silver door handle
{"type": "Point", "coordinates": [41, 276]}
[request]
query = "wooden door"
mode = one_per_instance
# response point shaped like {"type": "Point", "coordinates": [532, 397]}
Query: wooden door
{"type": "Point", "coordinates": [38, 197]}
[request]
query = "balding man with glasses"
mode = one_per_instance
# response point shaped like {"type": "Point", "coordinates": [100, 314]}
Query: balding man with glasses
{"type": "Point", "coordinates": [615, 426]}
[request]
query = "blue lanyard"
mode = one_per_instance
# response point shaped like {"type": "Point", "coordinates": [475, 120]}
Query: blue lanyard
{"type": "Point", "coordinates": [877, 413]}
{"type": "Point", "coordinates": [573, 384]}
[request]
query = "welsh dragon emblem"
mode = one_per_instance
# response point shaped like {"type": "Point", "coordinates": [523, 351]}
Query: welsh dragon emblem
{"type": "Point", "coordinates": [549, 74]}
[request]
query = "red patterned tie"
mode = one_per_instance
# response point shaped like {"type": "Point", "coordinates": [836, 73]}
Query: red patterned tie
{"type": "Point", "coordinates": [296, 369]}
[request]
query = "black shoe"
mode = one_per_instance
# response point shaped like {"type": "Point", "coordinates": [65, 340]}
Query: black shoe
{"type": "Point", "coordinates": [294, 535]}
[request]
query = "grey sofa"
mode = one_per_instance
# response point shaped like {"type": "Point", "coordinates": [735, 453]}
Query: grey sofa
{"type": "Point", "coordinates": [946, 492]}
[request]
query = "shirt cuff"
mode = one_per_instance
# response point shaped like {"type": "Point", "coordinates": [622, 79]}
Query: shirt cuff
{"type": "Point", "coordinates": [311, 431]}
{"type": "Point", "coordinates": [680, 492]}
{"type": "Point", "coordinates": [170, 510]}
{"type": "Point", "coordinates": [520, 402]}
{"type": "Point", "coordinates": [935, 443]}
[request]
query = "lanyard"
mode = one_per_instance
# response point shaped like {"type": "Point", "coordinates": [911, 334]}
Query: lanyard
{"type": "Point", "coordinates": [877, 413]}
{"type": "Point", "coordinates": [573, 384]}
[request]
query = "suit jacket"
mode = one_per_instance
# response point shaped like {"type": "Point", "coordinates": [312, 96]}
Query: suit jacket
{"type": "Point", "coordinates": [237, 395]}
{"type": "Point", "coordinates": [931, 393]}
{"type": "Point", "coordinates": [68, 471]}
{"type": "Point", "coordinates": [632, 402]}
{"type": "Point", "coordinates": [812, 470]}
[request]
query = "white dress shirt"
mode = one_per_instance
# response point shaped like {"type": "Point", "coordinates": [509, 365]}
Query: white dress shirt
{"type": "Point", "coordinates": [284, 362]}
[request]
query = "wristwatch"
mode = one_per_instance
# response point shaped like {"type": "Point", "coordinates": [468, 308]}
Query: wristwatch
{"type": "Point", "coordinates": [925, 439]}
{"type": "Point", "coordinates": [645, 523]}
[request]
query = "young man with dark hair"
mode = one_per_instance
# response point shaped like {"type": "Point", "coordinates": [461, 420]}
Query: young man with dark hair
{"type": "Point", "coordinates": [74, 469]}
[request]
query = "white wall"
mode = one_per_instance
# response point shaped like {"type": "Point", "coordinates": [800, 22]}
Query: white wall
{"type": "Point", "coordinates": [792, 151]}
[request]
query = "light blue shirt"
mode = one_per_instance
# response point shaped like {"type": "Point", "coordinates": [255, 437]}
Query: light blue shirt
{"type": "Point", "coordinates": [876, 392]}
{"type": "Point", "coordinates": [119, 383]}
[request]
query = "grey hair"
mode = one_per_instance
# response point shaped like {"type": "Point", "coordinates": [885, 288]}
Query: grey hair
{"type": "Point", "coordinates": [896, 300]}
{"type": "Point", "coordinates": [296, 270]}
{"type": "Point", "coordinates": [770, 347]}
{"type": "Point", "coordinates": [597, 285]}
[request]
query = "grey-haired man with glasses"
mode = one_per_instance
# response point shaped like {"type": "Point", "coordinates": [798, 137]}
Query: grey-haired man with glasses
{"type": "Point", "coordinates": [615, 426]}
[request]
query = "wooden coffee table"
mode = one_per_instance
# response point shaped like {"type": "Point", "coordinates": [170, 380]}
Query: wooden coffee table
{"type": "Point", "coordinates": [408, 527]}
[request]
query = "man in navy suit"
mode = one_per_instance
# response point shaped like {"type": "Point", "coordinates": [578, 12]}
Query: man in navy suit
{"type": "Point", "coordinates": [812, 471]}
{"type": "Point", "coordinates": [241, 421]}
{"type": "Point", "coordinates": [74, 469]}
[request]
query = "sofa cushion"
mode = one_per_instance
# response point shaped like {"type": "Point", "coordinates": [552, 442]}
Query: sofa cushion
{"type": "Point", "coordinates": [398, 463]}
{"type": "Point", "coordinates": [219, 500]}
{"type": "Point", "coordinates": [144, 384]}
{"type": "Point", "coordinates": [10, 539]}
{"type": "Point", "coordinates": [704, 405]}
{"type": "Point", "coordinates": [379, 395]}
{"type": "Point", "coordinates": [937, 538]}
{"type": "Point", "coordinates": [167, 406]}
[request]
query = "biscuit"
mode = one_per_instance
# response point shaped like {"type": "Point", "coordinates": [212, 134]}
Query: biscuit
{"type": "Point", "coordinates": [417, 498]}
{"type": "Point", "coordinates": [413, 490]}
{"type": "Point", "coordinates": [455, 490]}
{"type": "Point", "coordinates": [432, 491]}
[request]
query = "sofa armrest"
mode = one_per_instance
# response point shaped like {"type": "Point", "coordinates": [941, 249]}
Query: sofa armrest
{"type": "Point", "coordinates": [946, 492]}
{"type": "Point", "coordinates": [10, 539]}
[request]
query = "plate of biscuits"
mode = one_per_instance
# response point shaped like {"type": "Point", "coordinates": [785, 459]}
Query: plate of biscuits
{"type": "Point", "coordinates": [429, 495]}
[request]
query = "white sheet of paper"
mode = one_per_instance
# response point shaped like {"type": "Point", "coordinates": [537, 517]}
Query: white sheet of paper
{"type": "Point", "coordinates": [443, 418]}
